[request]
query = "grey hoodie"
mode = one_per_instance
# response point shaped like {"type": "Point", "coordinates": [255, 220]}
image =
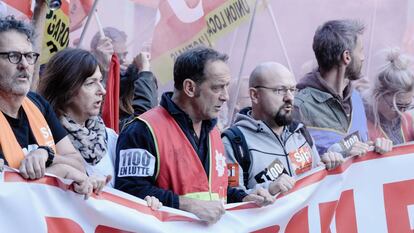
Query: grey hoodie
{"type": "Point", "coordinates": [264, 147]}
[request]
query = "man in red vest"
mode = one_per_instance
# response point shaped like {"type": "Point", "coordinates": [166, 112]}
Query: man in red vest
{"type": "Point", "coordinates": [31, 139]}
{"type": "Point", "coordinates": [174, 152]}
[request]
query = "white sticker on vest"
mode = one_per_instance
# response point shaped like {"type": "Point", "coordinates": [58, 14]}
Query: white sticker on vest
{"type": "Point", "coordinates": [220, 163]}
{"type": "Point", "coordinates": [136, 162]}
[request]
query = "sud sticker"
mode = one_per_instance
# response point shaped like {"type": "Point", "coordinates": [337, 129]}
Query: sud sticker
{"type": "Point", "coordinates": [301, 160]}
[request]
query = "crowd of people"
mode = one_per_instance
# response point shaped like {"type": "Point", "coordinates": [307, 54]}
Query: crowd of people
{"type": "Point", "coordinates": [173, 154]}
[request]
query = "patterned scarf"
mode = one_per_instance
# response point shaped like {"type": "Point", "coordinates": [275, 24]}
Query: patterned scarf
{"type": "Point", "coordinates": [90, 140]}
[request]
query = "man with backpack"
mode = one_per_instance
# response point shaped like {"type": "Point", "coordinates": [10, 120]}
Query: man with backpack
{"type": "Point", "coordinates": [265, 147]}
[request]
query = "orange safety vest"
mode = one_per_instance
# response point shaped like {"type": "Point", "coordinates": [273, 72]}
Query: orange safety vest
{"type": "Point", "coordinates": [11, 148]}
{"type": "Point", "coordinates": [179, 167]}
{"type": "Point", "coordinates": [406, 129]}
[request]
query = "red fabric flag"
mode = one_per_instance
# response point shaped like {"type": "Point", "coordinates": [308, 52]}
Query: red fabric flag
{"type": "Point", "coordinates": [23, 6]}
{"type": "Point", "coordinates": [177, 31]}
{"type": "Point", "coordinates": [79, 10]}
{"type": "Point", "coordinates": [110, 109]}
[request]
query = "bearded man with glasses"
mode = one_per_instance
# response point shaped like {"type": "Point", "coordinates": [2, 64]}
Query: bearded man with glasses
{"type": "Point", "coordinates": [31, 139]}
{"type": "Point", "coordinates": [278, 149]}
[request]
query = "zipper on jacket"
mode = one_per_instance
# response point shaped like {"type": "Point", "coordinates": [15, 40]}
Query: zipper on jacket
{"type": "Point", "coordinates": [284, 150]}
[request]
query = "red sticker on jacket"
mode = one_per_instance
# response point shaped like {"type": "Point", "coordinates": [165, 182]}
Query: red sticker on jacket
{"type": "Point", "coordinates": [301, 160]}
{"type": "Point", "coordinates": [233, 174]}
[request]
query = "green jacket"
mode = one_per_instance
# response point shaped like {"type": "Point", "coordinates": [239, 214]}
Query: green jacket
{"type": "Point", "coordinates": [316, 108]}
{"type": "Point", "coordinates": [326, 119]}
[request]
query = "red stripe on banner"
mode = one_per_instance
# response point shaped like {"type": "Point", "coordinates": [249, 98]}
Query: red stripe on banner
{"type": "Point", "coordinates": [53, 181]}
{"type": "Point", "coordinates": [299, 222]}
{"type": "Point", "coordinates": [62, 225]}
{"type": "Point", "coordinates": [398, 150]}
{"type": "Point", "coordinates": [397, 197]}
{"type": "Point", "coordinates": [271, 229]}
{"type": "Point", "coordinates": [161, 215]}
{"type": "Point", "coordinates": [318, 176]}
{"type": "Point", "coordinates": [372, 155]}
{"type": "Point", "coordinates": [247, 205]}
{"type": "Point", "coordinates": [47, 180]}
{"type": "Point", "coordinates": [326, 212]}
{"type": "Point", "coordinates": [345, 215]}
{"type": "Point", "coordinates": [106, 229]}
{"type": "Point", "coordinates": [166, 216]}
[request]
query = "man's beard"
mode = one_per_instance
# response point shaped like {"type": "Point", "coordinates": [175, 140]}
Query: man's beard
{"type": "Point", "coordinates": [282, 119]}
{"type": "Point", "coordinates": [353, 72]}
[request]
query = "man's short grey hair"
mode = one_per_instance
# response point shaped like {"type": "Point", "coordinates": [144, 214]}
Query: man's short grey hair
{"type": "Point", "coordinates": [9, 23]}
{"type": "Point", "coordinates": [113, 33]}
{"type": "Point", "coordinates": [333, 38]}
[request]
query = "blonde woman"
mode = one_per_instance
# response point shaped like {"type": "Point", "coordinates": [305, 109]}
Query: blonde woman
{"type": "Point", "coordinates": [389, 99]}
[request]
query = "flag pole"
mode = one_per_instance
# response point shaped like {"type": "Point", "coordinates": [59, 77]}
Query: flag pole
{"type": "Point", "coordinates": [279, 35]}
{"type": "Point", "coordinates": [233, 41]}
{"type": "Point", "coordinates": [371, 39]}
{"type": "Point", "coordinates": [98, 21]}
{"type": "Point", "coordinates": [233, 101]}
{"type": "Point", "coordinates": [85, 28]}
{"type": "Point", "coordinates": [38, 20]}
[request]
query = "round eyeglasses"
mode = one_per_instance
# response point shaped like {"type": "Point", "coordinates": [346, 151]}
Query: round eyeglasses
{"type": "Point", "coordinates": [16, 57]}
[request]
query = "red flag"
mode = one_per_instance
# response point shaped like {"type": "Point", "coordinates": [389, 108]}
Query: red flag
{"type": "Point", "coordinates": [79, 9]}
{"type": "Point", "coordinates": [171, 25]}
{"type": "Point", "coordinates": [110, 109]}
{"type": "Point", "coordinates": [23, 6]}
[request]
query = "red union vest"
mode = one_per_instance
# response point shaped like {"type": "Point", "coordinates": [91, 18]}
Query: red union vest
{"type": "Point", "coordinates": [11, 148]}
{"type": "Point", "coordinates": [407, 129]}
{"type": "Point", "coordinates": [179, 167]}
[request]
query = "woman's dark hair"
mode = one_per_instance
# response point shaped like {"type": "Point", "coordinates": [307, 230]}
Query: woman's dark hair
{"type": "Point", "coordinates": [128, 92]}
{"type": "Point", "coordinates": [64, 75]}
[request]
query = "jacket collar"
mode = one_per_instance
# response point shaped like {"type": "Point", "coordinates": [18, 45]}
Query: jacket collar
{"type": "Point", "coordinates": [320, 96]}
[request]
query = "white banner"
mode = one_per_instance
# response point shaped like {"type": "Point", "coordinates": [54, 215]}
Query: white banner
{"type": "Point", "coordinates": [369, 194]}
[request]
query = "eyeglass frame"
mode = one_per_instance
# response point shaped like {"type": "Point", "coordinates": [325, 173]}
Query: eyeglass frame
{"type": "Point", "coordinates": [399, 108]}
{"type": "Point", "coordinates": [278, 90]}
{"type": "Point", "coordinates": [36, 56]}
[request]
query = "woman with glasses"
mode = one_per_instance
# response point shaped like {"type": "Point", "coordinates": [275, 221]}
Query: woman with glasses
{"type": "Point", "coordinates": [389, 99]}
{"type": "Point", "coordinates": [72, 84]}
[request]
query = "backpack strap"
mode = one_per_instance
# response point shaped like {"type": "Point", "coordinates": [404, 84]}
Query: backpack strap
{"type": "Point", "coordinates": [303, 130]}
{"type": "Point", "coordinates": [240, 149]}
